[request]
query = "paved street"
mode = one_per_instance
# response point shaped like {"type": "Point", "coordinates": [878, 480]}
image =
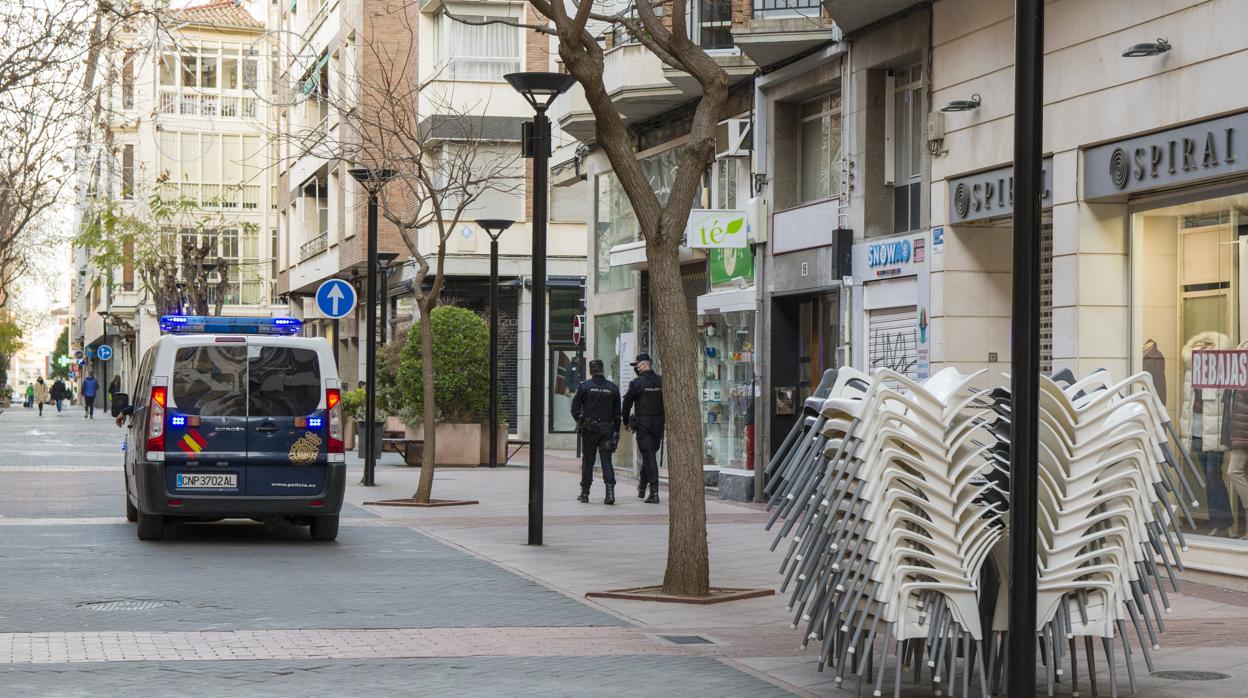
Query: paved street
{"type": "Point", "coordinates": [438, 602]}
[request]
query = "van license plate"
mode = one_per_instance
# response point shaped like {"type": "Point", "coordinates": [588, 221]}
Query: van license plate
{"type": "Point", "coordinates": [207, 481]}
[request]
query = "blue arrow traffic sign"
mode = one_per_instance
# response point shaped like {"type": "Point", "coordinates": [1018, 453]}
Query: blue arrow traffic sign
{"type": "Point", "coordinates": [335, 298]}
{"type": "Point", "coordinates": [104, 352]}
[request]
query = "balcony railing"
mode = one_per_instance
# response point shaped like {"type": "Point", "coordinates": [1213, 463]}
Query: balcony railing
{"type": "Point", "coordinates": [215, 196]}
{"type": "Point", "coordinates": [764, 9]}
{"type": "Point", "coordinates": [313, 247]}
{"type": "Point", "coordinates": [207, 104]}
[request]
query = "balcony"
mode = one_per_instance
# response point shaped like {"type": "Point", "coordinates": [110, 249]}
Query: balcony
{"type": "Point", "coordinates": [572, 113]}
{"type": "Point", "coordinates": [313, 247]}
{"type": "Point", "coordinates": [778, 30]}
{"type": "Point", "coordinates": [852, 15]}
{"type": "Point", "coordinates": [710, 27]}
{"type": "Point", "coordinates": [635, 81]}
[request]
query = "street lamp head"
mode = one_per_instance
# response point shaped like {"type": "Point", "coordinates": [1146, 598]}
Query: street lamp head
{"type": "Point", "coordinates": [494, 227]}
{"type": "Point", "coordinates": [372, 178]}
{"type": "Point", "coordinates": [540, 89]}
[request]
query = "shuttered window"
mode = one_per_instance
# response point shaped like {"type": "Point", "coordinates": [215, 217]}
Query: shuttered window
{"type": "Point", "coordinates": [568, 204]}
{"type": "Point", "coordinates": [1046, 297]}
{"type": "Point", "coordinates": [893, 340]}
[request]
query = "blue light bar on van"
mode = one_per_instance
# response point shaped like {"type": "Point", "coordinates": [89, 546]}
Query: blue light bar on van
{"type": "Point", "coordinates": [203, 324]}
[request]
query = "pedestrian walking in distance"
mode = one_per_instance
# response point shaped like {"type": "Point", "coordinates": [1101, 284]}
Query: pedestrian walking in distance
{"type": "Point", "coordinates": [89, 388]}
{"type": "Point", "coordinates": [596, 409]}
{"type": "Point", "coordinates": [645, 395]}
{"type": "Point", "coordinates": [30, 395]}
{"type": "Point", "coordinates": [59, 393]}
{"type": "Point", "coordinates": [41, 393]}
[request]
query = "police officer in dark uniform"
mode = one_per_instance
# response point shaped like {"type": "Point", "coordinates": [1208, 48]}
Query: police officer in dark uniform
{"type": "Point", "coordinates": [645, 393]}
{"type": "Point", "coordinates": [596, 409]}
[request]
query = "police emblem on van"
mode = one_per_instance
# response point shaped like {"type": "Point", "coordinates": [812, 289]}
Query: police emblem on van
{"type": "Point", "coordinates": [304, 451]}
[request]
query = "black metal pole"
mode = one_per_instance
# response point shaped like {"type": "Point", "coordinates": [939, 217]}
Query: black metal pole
{"type": "Point", "coordinates": [1025, 348]}
{"type": "Point", "coordinates": [370, 336]}
{"type": "Point", "coordinates": [537, 355]}
{"type": "Point", "coordinates": [104, 366]}
{"type": "Point", "coordinates": [336, 338]}
{"type": "Point", "coordinates": [385, 305]}
{"type": "Point", "coordinates": [493, 350]}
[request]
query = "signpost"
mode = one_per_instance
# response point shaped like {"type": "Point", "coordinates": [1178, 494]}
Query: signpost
{"type": "Point", "coordinates": [336, 299]}
{"type": "Point", "coordinates": [578, 322]}
{"type": "Point", "coordinates": [104, 352]}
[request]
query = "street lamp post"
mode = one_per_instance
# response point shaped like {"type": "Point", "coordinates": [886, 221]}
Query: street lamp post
{"type": "Point", "coordinates": [539, 89]}
{"type": "Point", "coordinates": [385, 259]}
{"type": "Point", "coordinates": [104, 364]}
{"type": "Point", "coordinates": [494, 227]}
{"type": "Point", "coordinates": [372, 179]}
{"type": "Point", "coordinates": [1025, 348]}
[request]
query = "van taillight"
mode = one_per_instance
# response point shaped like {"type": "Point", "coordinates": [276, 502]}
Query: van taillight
{"type": "Point", "coordinates": [333, 400]}
{"type": "Point", "coordinates": [156, 420]}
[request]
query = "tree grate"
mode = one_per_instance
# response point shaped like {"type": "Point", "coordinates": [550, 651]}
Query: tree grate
{"type": "Point", "coordinates": [686, 639]}
{"type": "Point", "coordinates": [1190, 675]}
{"type": "Point", "coordinates": [126, 604]}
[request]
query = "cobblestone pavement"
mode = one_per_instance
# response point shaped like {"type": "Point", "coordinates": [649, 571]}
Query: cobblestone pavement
{"type": "Point", "coordinates": [238, 608]}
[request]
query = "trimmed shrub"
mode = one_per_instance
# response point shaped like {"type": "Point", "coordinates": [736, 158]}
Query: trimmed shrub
{"type": "Point", "coordinates": [461, 366]}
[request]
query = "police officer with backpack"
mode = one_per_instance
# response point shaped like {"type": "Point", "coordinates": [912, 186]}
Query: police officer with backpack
{"type": "Point", "coordinates": [645, 395]}
{"type": "Point", "coordinates": [596, 409]}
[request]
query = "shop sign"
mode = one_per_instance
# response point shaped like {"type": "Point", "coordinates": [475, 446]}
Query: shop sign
{"type": "Point", "coordinates": [895, 257]}
{"type": "Point", "coordinates": [715, 229]}
{"type": "Point", "coordinates": [728, 264]}
{"type": "Point", "coordinates": [1220, 368]}
{"type": "Point", "coordinates": [1177, 156]}
{"type": "Point", "coordinates": [991, 194]}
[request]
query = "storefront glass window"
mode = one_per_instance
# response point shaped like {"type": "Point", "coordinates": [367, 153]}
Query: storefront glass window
{"type": "Point", "coordinates": [728, 389]}
{"type": "Point", "coordinates": [615, 225]}
{"type": "Point", "coordinates": [615, 343]}
{"type": "Point", "coordinates": [565, 376]}
{"type": "Point", "coordinates": [1188, 282]}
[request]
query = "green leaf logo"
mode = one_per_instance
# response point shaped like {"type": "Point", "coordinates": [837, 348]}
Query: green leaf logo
{"type": "Point", "coordinates": [734, 225]}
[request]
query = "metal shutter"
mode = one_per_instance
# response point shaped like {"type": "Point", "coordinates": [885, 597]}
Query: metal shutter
{"type": "Point", "coordinates": [568, 204]}
{"type": "Point", "coordinates": [893, 340]}
{"type": "Point", "coordinates": [1046, 297]}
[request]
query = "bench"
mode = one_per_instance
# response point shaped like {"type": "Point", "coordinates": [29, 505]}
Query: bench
{"type": "Point", "coordinates": [411, 449]}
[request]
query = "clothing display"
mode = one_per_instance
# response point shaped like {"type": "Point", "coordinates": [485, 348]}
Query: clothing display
{"type": "Point", "coordinates": [1155, 366]}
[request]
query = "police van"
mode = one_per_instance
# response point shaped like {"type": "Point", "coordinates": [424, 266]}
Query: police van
{"type": "Point", "coordinates": [234, 418]}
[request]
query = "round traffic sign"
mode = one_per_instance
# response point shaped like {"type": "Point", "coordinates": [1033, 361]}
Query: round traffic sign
{"type": "Point", "coordinates": [335, 298]}
{"type": "Point", "coordinates": [576, 329]}
{"type": "Point", "coordinates": [78, 355]}
{"type": "Point", "coordinates": [104, 352]}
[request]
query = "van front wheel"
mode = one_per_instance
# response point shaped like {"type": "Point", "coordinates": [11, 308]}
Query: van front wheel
{"type": "Point", "coordinates": [324, 528]}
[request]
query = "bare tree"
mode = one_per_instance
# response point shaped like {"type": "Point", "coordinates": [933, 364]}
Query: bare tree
{"type": "Point", "coordinates": [442, 162]}
{"type": "Point", "coordinates": [662, 226]}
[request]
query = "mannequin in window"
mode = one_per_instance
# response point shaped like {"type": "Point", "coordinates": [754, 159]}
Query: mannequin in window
{"type": "Point", "coordinates": [1200, 423]}
{"type": "Point", "coordinates": [1155, 366]}
{"type": "Point", "coordinates": [1235, 436]}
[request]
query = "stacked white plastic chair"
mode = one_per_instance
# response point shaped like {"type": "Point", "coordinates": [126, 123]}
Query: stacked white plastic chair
{"type": "Point", "coordinates": [1106, 524]}
{"type": "Point", "coordinates": [893, 492]}
{"type": "Point", "coordinates": [882, 495]}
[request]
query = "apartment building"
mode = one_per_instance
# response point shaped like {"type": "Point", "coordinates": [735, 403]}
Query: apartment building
{"type": "Point", "coordinates": [446, 63]}
{"type": "Point", "coordinates": [187, 109]}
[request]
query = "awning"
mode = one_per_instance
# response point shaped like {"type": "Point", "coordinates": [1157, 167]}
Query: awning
{"type": "Point", "coordinates": [632, 255]}
{"type": "Point", "coordinates": [729, 300]}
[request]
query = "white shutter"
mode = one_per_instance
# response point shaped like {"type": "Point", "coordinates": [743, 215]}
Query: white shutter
{"type": "Point", "coordinates": [568, 204]}
{"type": "Point", "coordinates": [893, 340]}
{"type": "Point", "coordinates": [1046, 297]}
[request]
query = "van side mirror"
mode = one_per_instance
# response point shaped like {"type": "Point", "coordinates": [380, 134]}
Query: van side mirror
{"type": "Point", "coordinates": [121, 404]}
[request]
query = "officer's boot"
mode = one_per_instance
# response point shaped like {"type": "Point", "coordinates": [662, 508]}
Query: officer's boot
{"type": "Point", "coordinates": [584, 496]}
{"type": "Point", "coordinates": [654, 494]}
{"type": "Point", "coordinates": [641, 489]}
{"type": "Point", "coordinates": [610, 498]}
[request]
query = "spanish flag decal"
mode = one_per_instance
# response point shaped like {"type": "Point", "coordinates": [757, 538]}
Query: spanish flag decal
{"type": "Point", "coordinates": [192, 442]}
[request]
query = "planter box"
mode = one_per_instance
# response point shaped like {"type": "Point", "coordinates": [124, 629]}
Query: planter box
{"type": "Point", "coordinates": [360, 428]}
{"type": "Point", "coordinates": [463, 444]}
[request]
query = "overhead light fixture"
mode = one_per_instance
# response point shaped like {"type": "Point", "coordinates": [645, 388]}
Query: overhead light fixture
{"type": "Point", "coordinates": [962, 104]}
{"type": "Point", "coordinates": [1153, 48]}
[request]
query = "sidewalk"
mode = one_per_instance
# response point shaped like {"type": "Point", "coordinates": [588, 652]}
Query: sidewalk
{"type": "Point", "coordinates": [592, 547]}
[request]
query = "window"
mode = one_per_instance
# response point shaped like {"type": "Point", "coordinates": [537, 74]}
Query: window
{"type": "Point", "coordinates": [501, 166]}
{"type": "Point", "coordinates": [481, 51]}
{"type": "Point", "coordinates": [127, 171]}
{"type": "Point", "coordinates": [283, 382]}
{"type": "Point", "coordinates": [614, 224]}
{"type": "Point", "coordinates": [905, 116]}
{"type": "Point", "coordinates": [127, 81]}
{"type": "Point", "coordinates": [820, 149]}
{"type": "Point", "coordinates": [710, 23]}
{"type": "Point", "coordinates": [210, 381]}
{"type": "Point", "coordinates": [208, 80]}
{"type": "Point", "coordinates": [726, 182]}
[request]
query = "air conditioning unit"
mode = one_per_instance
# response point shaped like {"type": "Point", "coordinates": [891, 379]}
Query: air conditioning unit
{"type": "Point", "coordinates": [734, 138]}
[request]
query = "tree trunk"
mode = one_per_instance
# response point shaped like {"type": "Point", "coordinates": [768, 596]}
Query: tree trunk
{"type": "Point", "coordinates": [688, 564]}
{"type": "Point", "coordinates": [429, 449]}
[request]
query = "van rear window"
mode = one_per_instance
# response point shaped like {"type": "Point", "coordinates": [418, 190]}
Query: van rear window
{"type": "Point", "coordinates": [211, 381]}
{"type": "Point", "coordinates": [283, 382]}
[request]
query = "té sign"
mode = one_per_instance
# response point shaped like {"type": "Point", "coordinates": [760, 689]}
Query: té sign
{"type": "Point", "coordinates": [715, 229]}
